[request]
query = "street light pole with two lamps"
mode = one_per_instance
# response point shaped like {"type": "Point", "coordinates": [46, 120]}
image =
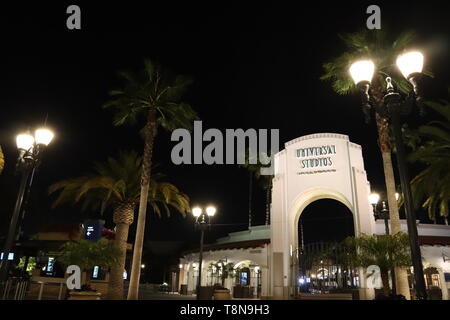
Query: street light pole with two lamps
{"type": "Point", "coordinates": [30, 155]}
{"type": "Point", "coordinates": [392, 106]}
{"type": "Point", "coordinates": [202, 221]}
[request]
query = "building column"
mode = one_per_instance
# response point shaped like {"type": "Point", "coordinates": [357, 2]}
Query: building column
{"type": "Point", "coordinates": [444, 287]}
{"type": "Point", "coordinates": [264, 282]}
{"type": "Point", "coordinates": [277, 276]}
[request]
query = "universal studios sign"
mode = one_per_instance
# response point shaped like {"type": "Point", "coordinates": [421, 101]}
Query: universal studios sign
{"type": "Point", "coordinates": [313, 157]}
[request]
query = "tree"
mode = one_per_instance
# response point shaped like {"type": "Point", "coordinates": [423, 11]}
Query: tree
{"type": "Point", "coordinates": [115, 184]}
{"type": "Point", "coordinates": [154, 94]}
{"type": "Point", "coordinates": [222, 270]}
{"type": "Point", "coordinates": [265, 182]}
{"type": "Point", "coordinates": [385, 251]}
{"type": "Point", "coordinates": [382, 48]}
{"type": "Point", "coordinates": [431, 187]}
{"type": "Point", "coordinates": [88, 254]}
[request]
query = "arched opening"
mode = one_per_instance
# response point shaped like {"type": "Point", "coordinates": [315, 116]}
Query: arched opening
{"type": "Point", "coordinates": [325, 220]}
{"type": "Point", "coordinates": [323, 263]}
{"type": "Point", "coordinates": [241, 277]}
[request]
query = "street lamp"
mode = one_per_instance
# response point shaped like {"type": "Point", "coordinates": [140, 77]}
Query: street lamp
{"type": "Point", "coordinates": [30, 155]}
{"type": "Point", "coordinates": [392, 106]}
{"type": "Point", "coordinates": [202, 221]}
{"type": "Point", "coordinates": [377, 213]}
{"type": "Point", "coordinates": [383, 214]}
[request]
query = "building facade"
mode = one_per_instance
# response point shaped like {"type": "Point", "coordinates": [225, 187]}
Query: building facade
{"type": "Point", "coordinates": [310, 168]}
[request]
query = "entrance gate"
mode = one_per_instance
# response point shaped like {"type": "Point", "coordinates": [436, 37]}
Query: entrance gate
{"type": "Point", "coordinates": [313, 167]}
{"type": "Point", "coordinates": [326, 268]}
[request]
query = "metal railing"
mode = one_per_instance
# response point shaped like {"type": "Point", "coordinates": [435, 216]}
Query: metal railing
{"type": "Point", "coordinates": [14, 289]}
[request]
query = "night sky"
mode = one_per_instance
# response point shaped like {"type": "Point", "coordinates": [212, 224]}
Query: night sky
{"type": "Point", "coordinates": [253, 67]}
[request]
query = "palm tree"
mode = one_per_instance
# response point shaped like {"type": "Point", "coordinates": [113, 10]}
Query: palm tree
{"type": "Point", "coordinates": [385, 251]}
{"type": "Point", "coordinates": [115, 184]}
{"type": "Point", "coordinates": [265, 182]}
{"type": "Point", "coordinates": [431, 187]}
{"type": "Point", "coordinates": [155, 95]}
{"type": "Point", "coordinates": [382, 49]}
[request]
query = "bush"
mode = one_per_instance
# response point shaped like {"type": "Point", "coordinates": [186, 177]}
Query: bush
{"type": "Point", "coordinates": [87, 254]}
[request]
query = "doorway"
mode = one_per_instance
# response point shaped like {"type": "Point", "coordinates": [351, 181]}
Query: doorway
{"type": "Point", "coordinates": [323, 262]}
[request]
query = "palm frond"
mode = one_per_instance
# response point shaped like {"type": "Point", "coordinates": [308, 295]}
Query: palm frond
{"type": "Point", "coordinates": [376, 45]}
{"type": "Point", "coordinates": [152, 88]}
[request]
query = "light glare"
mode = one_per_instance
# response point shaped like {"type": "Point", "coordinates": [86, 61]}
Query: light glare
{"type": "Point", "coordinates": [362, 71]}
{"type": "Point", "coordinates": [197, 211]}
{"type": "Point", "coordinates": [409, 63]}
{"type": "Point", "coordinates": [211, 211]}
{"type": "Point", "coordinates": [374, 198]}
{"type": "Point", "coordinates": [24, 141]}
{"type": "Point", "coordinates": [43, 136]}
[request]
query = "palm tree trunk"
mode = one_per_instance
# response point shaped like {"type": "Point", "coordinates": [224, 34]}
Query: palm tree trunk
{"type": "Point", "coordinates": [150, 134]}
{"type": "Point", "coordinates": [123, 218]}
{"type": "Point", "coordinates": [401, 275]}
{"type": "Point", "coordinates": [385, 280]}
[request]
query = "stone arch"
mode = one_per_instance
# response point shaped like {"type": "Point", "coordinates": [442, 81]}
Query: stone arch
{"type": "Point", "coordinates": [238, 264]}
{"type": "Point", "coordinates": [310, 168]}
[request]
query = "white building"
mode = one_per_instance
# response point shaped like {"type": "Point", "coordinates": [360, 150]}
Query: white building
{"type": "Point", "coordinates": [247, 252]}
{"type": "Point", "coordinates": [310, 168]}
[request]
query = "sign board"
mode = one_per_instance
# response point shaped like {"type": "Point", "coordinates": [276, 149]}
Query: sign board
{"type": "Point", "coordinates": [10, 256]}
{"type": "Point", "coordinates": [95, 272]}
{"type": "Point", "coordinates": [93, 229]}
{"type": "Point", "coordinates": [316, 158]}
{"type": "Point", "coordinates": [50, 266]}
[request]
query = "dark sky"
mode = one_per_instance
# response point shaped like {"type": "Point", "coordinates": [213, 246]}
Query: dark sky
{"type": "Point", "coordinates": [253, 67]}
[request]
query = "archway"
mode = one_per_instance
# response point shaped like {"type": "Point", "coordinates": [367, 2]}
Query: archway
{"type": "Point", "coordinates": [325, 220]}
{"type": "Point", "coordinates": [320, 262]}
{"type": "Point", "coordinates": [310, 168]}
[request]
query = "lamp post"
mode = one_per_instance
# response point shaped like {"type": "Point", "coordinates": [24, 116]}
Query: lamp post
{"type": "Point", "coordinates": [392, 106]}
{"type": "Point", "coordinates": [202, 221]}
{"type": "Point", "coordinates": [374, 198]}
{"type": "Point", "coordinates": [30, 155]}
{"type": "Point", "coordinates": [383, 214]}
{"type": "Point", "coordinates": [377, 213]}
